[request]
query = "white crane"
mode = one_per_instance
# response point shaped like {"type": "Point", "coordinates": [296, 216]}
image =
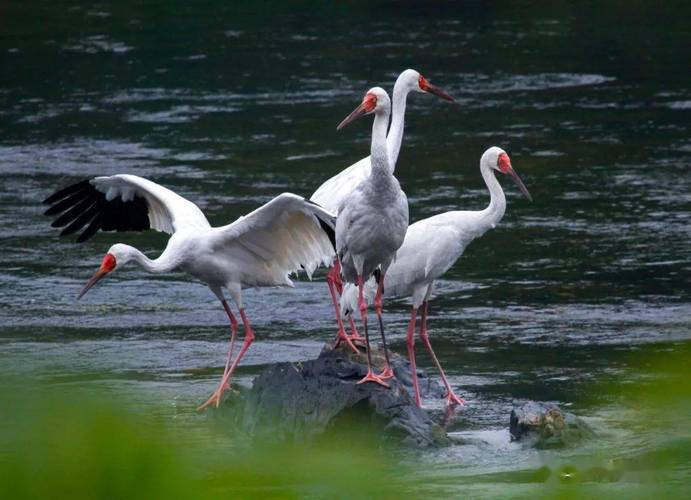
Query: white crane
{"type": "Point", "coordinates": [335, 190]}
{"type": "Point", "coordinates": [372, 220]}
{"type": "Point", "coordinates": [259, 249]}
{"type": "Point", "coordinates": [430, 248]}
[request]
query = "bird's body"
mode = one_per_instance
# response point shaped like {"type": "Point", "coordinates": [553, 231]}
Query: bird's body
{"type": "Point", "coordinates": [432, 246]}
{"type": "Point", "coordinates": [371, 226]}
{"type": "Point", "coordinates": [373, 219]}
{"type": "Point", "coordinates": [259, 249]}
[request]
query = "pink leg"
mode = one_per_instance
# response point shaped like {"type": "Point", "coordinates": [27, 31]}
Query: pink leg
{"type": "Point", "coordinates": [215, 398]}
{"type": "Point", "coordinates": [410, 342]}
{"type": "Point", "coordinates": [370, 377]}
{"type": "Point", "coordinates": [388, 372]}
{"type": "Point", "coordinates": [341, 336]}
{"type": "Point", "coordinates": [334, 276]}
{"type": "Point", "coordinates": [233, 336]}
{"type": "Point", "coordinates": [451, 398]}
{"type": "Point", "coordinates": [354, 335]}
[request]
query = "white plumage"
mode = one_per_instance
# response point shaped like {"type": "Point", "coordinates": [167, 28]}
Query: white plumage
{"type": "Point", "coordinates": [262, 248]}
{"type": "Point", "coordinates": [432, 246]}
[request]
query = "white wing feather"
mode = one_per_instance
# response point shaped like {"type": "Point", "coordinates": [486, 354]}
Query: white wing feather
{"type": "Point", "coordinates": [278, 238]}
{"type": "Point", "coordinates": [168, 211]}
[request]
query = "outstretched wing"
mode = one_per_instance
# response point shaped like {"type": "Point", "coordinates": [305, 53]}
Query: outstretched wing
{"type": "Point", "coordinates": [285, 235]}
{"type": "Point", "coordinates": [121, 203]}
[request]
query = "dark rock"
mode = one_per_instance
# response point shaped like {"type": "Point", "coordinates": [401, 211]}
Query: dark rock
{"type": "Point", "coordinates": [298, 401]}
{"type": "Point", "coordinates": [545, 425]}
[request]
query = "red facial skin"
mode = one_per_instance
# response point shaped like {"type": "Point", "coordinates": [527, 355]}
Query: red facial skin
{"type": "Point", "coordinates": [369, 103]}
{"type": "Point", "coordinates": [504, 163]}
{"type": "Point", "coordinates": [108, 263]}
{"type": "Point", "coordinates": [432, 89]}
{"type": "Point", "coordinates": [423, 83]}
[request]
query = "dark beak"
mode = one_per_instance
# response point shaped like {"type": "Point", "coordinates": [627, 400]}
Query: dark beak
{"type": "Point", "coordinates": [357, 113]}
{"type": "Point", "coordinates": [519, 183]}
{"type": "Point", "coordinates": [92, 281]}
{"type": "Point", "coordinates": [438, 92]}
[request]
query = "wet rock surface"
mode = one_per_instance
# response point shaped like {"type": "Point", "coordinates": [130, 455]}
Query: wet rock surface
{"type": "Point", "coordinates": [545, 425]}
{"type": "Point", "coordinates": [298, 401]}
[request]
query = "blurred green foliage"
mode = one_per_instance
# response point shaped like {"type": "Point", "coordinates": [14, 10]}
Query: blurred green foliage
{"type": "Point", "coordinates": [64, 444]}
{"type": "Point", "coordinates": [61, 443]}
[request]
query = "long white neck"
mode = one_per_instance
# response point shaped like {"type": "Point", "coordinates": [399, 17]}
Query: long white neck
{"type": "Point", "coordinates": [381, 166]}
{"type": "Point", "coordinates": [494, 212]}
{"type": "Point", "coordinates": [395, 137]}
{"type": "Point", "coordinates": [163, 264]}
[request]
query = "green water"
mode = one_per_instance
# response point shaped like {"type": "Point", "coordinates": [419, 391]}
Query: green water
{"type": "Point", "coordinates": [232, 104]}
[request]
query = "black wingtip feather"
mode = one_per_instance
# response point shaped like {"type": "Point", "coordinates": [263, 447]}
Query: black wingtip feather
{"type": "Point", "coordinates": [65, 192]}
{"type": "Point", "coordinates": [80, 221]}
{"type": "Point", "coordinates": [91, 229]}
{"type": "Point", "coordinates": [75, 211]}
{"type": "Point", "coordinates": [68, 202]}
{"type": "Point", "coordinates": [81, 205]}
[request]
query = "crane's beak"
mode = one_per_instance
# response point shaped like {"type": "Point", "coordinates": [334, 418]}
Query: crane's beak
{"type": "Point", "coordinates": [519, 182]}
{"type": "Point", "coordinates": [361, 110]}
{"type": "Point", "coordinates": [433, 89]}
{"type": "Point", "coordinates": [107, 266]}
{"type": "Point", "coordinates": [92, 281]}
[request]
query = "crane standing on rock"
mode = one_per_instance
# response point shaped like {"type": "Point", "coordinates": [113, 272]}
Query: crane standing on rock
{"type": "Point", "coordinates": [260, 249]}
{"type": "Point", "coordinates": [430, 248]}
{"type": "Point", "coordinates": [334, 191]}
{"type": "Point", "coordinates": [372, 221]}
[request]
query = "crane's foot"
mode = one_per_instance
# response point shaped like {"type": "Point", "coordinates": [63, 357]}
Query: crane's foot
{"type": "Point", "coordinates": [453, 400]}
{"type": "Point", "coordinates": [387, 373]}
{"type": "Point", "coordinates": [216, 397]}
{"type": "Point", "coordinates": [214, 400]}
{"type": "Point", "coordinates": [371, 377]}
{"type": "Point", "coordinates": [356, 337]}
{"type": "Point", "coordinates": [342, 336]}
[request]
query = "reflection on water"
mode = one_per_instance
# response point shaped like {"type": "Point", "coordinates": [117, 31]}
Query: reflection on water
{"type": "Point", "coordinates": [239, 109]}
